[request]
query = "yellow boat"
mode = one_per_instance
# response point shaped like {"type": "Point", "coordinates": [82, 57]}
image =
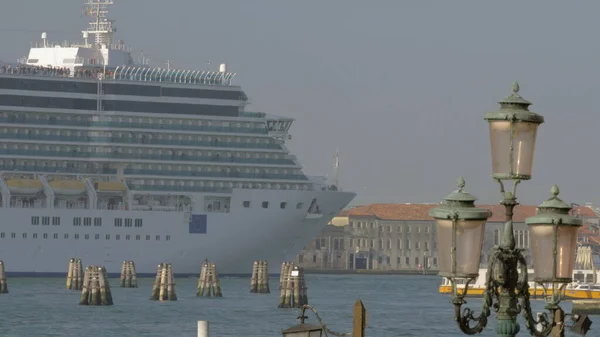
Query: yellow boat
{"type": "Point", "coordinates": [24, 185]}
{"type": "Point", "coordinates": [584, 287]}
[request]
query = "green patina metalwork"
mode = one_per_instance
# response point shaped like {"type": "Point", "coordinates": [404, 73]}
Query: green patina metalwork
{"type": "Point", "coordinates": [507, 287]}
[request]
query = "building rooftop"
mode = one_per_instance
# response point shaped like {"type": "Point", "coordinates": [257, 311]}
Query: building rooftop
{"type": "Point", "coordinates": [418, 212]}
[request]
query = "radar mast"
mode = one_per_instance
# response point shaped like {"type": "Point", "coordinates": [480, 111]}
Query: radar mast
{"type": "Point", "coordinates": [100, 26]}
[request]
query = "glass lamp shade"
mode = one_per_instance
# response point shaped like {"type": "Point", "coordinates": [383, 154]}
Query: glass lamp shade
{"type": "Point", "coordinates": [508, 164]}
{"type": "Point", "coordinates": [469, 241]}
{"type": "Point", "coordinates": [542, 251]}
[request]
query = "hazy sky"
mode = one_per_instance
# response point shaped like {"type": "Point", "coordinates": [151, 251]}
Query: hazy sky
{"type": "Point", "coordinates": [400, 87]}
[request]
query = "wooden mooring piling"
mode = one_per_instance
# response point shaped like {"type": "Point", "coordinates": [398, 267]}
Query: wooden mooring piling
{"type": "Point", "coordinates": [128, 275]}
{"type": "Point", "coordinates": [164, 284]}
{"type": "Point", "coordinates": [293, 286]}
{"type": "Point", "coordinates": [95, 290]}
{"type": "Point", "coordinates": [3, 284]}
{"type": "Point", "coordinates": [208, 283]}
{"type": "Point", "coordinates": [259, 282]}
{"type": "Point", "coordinates": [75, 275]}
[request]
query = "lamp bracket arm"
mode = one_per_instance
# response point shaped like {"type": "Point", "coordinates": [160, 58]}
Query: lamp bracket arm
{"type": "Point", "coordinates": [323, 326]}
{"type": "Point", "coordinates": [465, 317]}
{"type": "Point", "coordinates": [523, 294]}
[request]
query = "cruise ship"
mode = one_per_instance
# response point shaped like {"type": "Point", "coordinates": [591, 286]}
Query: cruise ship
{"type": "Point", "coordinates": [107, 160]}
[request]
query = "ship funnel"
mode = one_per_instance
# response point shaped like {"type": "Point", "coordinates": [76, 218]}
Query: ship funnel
{"type": "Point", "coordinates": [223, 68]}
{"type": "Point", "coordinates": [44, 38]}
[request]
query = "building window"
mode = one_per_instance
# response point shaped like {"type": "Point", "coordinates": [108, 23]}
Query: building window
{"type": "Point", "coordinates": [416, 261]}
{"type": "Point", "coordinates": [418, 229]}
{"type": "Point", "coordinates": [427, 229]}
{"type": "Point", "coordinates": [418, 245]}
{"type": "Point", "coordinates": [407, 261]}
{"type": "Point", "coordinates": [380, 243]}
{"type": "Point", "coordinates": [399, 229]}
{"type": "Point", "coordinates": [496, 237]}
{"type": "Point", "coordinates": [389, 245]}
{"type": "Point", "coordinates": [351, 243]}
{"type": "Point", "coordinates": [408, 229]}
{"type": "Point", "coordinates": [426, 245]}
{"type": "Point", "coordinates": [399, 243]}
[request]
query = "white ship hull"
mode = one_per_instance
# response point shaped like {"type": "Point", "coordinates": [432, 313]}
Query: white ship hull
{"type": "Point", "coordinates": [232, 240]}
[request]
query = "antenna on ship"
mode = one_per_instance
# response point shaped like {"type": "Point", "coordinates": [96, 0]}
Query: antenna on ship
{"type": "Point", "coordinates": [336, 167]}
{"type": "Point", "coordinates": [101, 27]}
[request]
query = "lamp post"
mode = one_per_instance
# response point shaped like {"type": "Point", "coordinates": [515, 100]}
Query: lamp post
{"type": "Point", "coordinates": [460, 230]}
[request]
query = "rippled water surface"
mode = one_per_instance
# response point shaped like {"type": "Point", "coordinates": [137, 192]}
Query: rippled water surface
{"type": "Point", "coordinates": [396, 305]}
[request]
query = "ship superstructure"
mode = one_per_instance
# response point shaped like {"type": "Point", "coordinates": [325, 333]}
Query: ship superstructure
{"type": "Point", "coordinates": [107, 160]}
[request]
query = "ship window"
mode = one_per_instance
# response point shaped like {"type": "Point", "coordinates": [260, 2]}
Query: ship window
{"type": "Point", "coordinates": [147, 237]}
{"type": "Point", "coordinates": [66, 236]}
{"type": "Point", "coordinates": [45, 221]}
{"type": "Point", "coordinates": [282, 205]}
{"type": "Point", "coordinates": [300, 205]}
{"type": "Point", "coordinates": [265, 204]}
{"type": "Point", "coordinates": [97, 222]}
{"type": "Point", "coordinates": [137, 237]}
{"type": "Point", "coordinates": [87, 221]}
{"type": "Point", "coordinates": [127, 237]}
{"type": "Point", "coordinates": [55, 236]}
{"type": "Point", "coordinates": [13, 235]}
{"type": "Point", "coordinates": [246, 204]}
{"type": "Point", "coordinates": [128, 222]}
{"type": "Point", "coordinates": [55, 221]}
{"type": "Point", "coordinates": [107, 237]}
{"type": "Point", "coordinates": [76, 236]}
{"type": "Point", "coordinates": [118, 222]}
{"type": "Point", "coordinates": [24, 235]}
{"type": "Point", "coordinates": [138, 222]}
{"type": "Point", "coordinates": [168, 237]}
{"type": "Point", "coordinates": [157, 237]}
{"type": "Point", "coordinates": [97, 236]}
{"type": "Point", "coordinates": [34, 235]}
{"type": "Point", "coordinates": [87, 236]}
{"type": "Point", "coordinates": [118, 237]}
{"type": "Point", "coordinates": [2, 235]}
{"type": "Point", "coordinates": [35, 220]}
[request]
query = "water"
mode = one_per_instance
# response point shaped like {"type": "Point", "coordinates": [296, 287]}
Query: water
{"type": "Point", "coordinates": [397, 306]}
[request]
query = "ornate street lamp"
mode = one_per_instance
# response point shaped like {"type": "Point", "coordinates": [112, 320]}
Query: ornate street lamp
{"type": "Point", "coordinates": [513, 131]}
{"type": "Point", "coordinates": [303, 329]}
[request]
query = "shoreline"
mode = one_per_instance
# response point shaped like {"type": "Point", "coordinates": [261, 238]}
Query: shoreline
{"type": "Point", "coordinates": [369, 272]}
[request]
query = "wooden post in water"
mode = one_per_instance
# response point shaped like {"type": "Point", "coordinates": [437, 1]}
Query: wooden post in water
{"type": "Point", "coordinates": [293, 291]}
{"type": "Point", "coordinates": [128, 275]}
{"type": "Point", "coordinates": [3, 284]}
{"type": "Point", "coordinates": [208, 283]}
{"type": "Point", "coordinates": [202, 328]}
{"type": "Point", "coordinates": [95, 290]}
{"type": "Point", "coordinates": [259, 282]}
{"type": "Point", "coordinates": [359, 319]}
{"type": "Point", "coordinates": [164, 284]}
{"type": "Point", "coordinates": [75, 275]}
